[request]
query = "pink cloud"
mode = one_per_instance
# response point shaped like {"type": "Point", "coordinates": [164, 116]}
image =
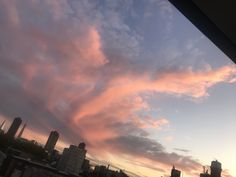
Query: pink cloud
{"type": "Point", "coordinates": [57, 74]}
{"type": "Point", "coordinates": [85, 49]}
{"type": "Point", "coordinates": [183, 83]}
{"type": "Point", "coordinates": [225, 173]}
{"type": "Point", "coordinates": [92, 51]}
{"type": "Point", "coordinates": [11, 13]}
{"type": "Point", "coordinates": [149, 122]}
{"type": "Point", "coordinates": [233, 80]}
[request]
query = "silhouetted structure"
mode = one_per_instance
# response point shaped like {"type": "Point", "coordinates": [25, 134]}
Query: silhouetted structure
{"type": "Point", "coordinates": [14, 127]}
{"type": "Point", "coordinates": [51, 142]}
{"type": "Point", "coordinates": [175, 173]}
{"type": "Point", "coordinates": [216, 169]}
{"type": "Point", "coordinates": [24, 158]}
{"type": "Point", "coordinates": [22, 131]}
{"type": "Point", "coordinates": [100, 171]}
{"type": "Point", "coordinates": [205, 173]}
{"type": "Point", "coordinates": [103, 171]}
{"type": "Point", "coordinates": [82, 145]}
{"type": "Point", "coordinates": [72, 159]}
{"type": "Point", "coordinates": [86, 165]}
{"type": "Point", "coordinates": [17, 166]}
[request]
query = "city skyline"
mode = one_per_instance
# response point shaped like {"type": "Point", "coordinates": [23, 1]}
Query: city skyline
{"type": "Point", "coordinates": [135, 80]}
{"type": "Point", "coordinates": [73, 159]}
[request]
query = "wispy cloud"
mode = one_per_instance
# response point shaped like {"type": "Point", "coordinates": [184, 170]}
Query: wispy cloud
{"type": "Point", "coordinates": [182, 150]}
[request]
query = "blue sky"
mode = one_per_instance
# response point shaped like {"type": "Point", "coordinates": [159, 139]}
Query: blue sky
{"type": "Point", "coordinates": [134, 79]}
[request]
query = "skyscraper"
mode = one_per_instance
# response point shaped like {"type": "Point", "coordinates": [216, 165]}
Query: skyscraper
{"type": "Point", "coordinates": [51, 142]}
{"type": "Point", "coordinates": [216, 169]}
{"type": "Point", "coordinates": [14, 127]}
{"type": "Point", "coordinates": [175, 173]}
{"type": "Point", "coordinates": [72, 159]}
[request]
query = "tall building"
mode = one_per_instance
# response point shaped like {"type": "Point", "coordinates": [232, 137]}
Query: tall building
{"type": "Point", "coordinates": [14, 127]}
{"type": "Point", "coordinates": [100, 171]}
{"type": "Point", "coordinates": [216, 169]}
{"type": "Point", "coordinates": [51, 142]}
{"type": "Point", "coordinates": [21, 131]}
{"type": "Point", "coordinates": [175, 173]}
{"type": "Point", "coordinates": [86, 165]}
{"type": "Point", "coordinates": [72, 159]}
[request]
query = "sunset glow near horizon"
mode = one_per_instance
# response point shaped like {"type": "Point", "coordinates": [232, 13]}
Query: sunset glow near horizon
{"type": "Point", "coordinates": [133, 79]}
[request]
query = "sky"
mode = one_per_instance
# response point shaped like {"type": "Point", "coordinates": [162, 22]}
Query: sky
{"type": "Point", "coordinates": [133, 79]}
